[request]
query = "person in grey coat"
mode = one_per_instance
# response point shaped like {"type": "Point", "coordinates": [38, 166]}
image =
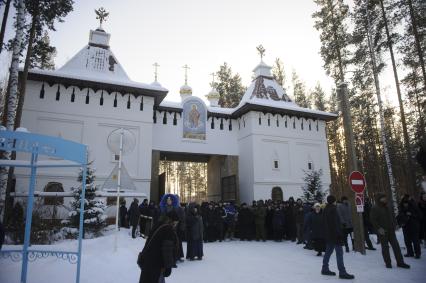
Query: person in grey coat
{"type": "Point", "coordinates": [345, 216]}
{"type": "Point", "coordinates": [195, 231]}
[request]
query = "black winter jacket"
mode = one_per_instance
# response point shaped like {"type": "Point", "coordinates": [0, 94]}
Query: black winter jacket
{"type": "Point", "coordinates": [332, 225]}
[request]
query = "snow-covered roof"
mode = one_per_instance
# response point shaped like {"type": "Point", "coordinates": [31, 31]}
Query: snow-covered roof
{"type": "Point", "coordinates": [264, 94]}
{"type": "Point", "coordinates": [97, 63]}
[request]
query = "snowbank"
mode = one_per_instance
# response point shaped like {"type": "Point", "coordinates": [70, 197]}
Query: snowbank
{"type": "Point", "coordinates": [236, 261]}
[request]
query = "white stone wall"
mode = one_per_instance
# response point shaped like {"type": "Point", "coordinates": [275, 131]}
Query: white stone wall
{"type": "Point", "coordinates": [257, 145]}
{"type": "Point", "coordinates": [169, 137]}
{"type": "Point", "coordinates": [293, 148]}
{"type": "Point", "coordinates": [90, 124]}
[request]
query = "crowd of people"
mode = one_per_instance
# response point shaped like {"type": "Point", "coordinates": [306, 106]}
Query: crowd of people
{"type": "Point", "coordinates": [322, 227]}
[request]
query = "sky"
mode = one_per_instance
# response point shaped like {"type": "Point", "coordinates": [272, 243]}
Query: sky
{"type": "Point", "coordinates": [201, 33]}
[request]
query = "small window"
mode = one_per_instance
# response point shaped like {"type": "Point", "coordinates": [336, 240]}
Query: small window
{"type": "Point", "coordinates": [115, 158]}
{"type": "Point", "coordinates": [310, 166]}
{"type": "Point", "coordinates": [52, 187]}
{"type": "Point", "coordinates": [276, 164]}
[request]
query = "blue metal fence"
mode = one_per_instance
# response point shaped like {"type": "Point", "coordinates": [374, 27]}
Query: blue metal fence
{"type": "Point", "coordinates": [67, 154]}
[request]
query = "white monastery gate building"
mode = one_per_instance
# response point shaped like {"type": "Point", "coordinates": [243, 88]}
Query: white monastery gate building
{"type": "Point", "coordinates": [256, 150]}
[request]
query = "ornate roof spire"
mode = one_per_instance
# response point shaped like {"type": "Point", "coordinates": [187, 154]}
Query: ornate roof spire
{"type": "Point", "coordinates": [101, 15]}
{"type": "Point", "coordinates": [185, 90]}
{"type": "Point", "coordinates": [156, 65]}
{"type": "Point", "coordinates": [186, 67]}
{"type": "Point", "coordinates": [261, 51]}
{"type": "Point", "coordinates": [213, 96]}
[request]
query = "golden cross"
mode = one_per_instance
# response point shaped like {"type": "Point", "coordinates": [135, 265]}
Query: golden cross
{"type": "Point", "coordinates": [186, 67]}
{"type": "Point", "coordinates": [101, 15]}
{"type": "Point", "coordinates": [261, 51]}
{"type": "Point", "coordinates": [156, 70]}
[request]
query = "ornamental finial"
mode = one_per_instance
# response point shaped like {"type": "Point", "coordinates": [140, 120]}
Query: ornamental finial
{"type": "Point", "coordinates": [101, 15]}
{"type": "Point", "coordinates": [261, 51]}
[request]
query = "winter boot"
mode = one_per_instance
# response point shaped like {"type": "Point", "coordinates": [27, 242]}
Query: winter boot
{"type": "Point", "coordinates": [346, 276]}
{"type": "Point", "coordinates": [388, 265]}
{"type": "Point", "coordinates": [403, 265]}
{"type": "Point", "coordinates": [328, 272]}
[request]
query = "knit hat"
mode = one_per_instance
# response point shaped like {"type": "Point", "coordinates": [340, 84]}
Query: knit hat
{"type": "Point", "coordinates": [317, 205]}
{"type": "Point", "coordinates": [331, 199]}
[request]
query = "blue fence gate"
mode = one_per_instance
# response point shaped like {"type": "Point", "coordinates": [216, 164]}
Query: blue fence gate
{"type": "Point", "coordinates": [65, 154]}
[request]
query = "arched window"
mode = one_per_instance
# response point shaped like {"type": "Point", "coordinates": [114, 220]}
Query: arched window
{"type": "Point", "coordinates": [277, 194]}
{"type": "Point", "coordinates": [53, 187]}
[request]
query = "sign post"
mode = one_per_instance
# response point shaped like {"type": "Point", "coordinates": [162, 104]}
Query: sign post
{"type": "Point", "coordinates": [358, 184]}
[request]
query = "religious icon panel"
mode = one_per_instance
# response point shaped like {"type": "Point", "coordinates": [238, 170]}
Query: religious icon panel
{"type": "Point", "coordinates": [194, 119]}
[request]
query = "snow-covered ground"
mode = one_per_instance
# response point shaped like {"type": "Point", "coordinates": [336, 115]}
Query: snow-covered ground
{"type": "Point", "coordinates": [245, 262]}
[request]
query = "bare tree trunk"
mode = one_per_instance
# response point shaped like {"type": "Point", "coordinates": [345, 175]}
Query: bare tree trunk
{"type": "Point", "coordinates": [4, 23]}
{"type": "Point", "coordinates": [411, 175]}
{"type": "Point", "coordinates": [24, 77]}
{"type": "Point", "coordinates": [13, 94]}
{"type": "Point", "coordinates": [381, 116]}
{"type": "Point", "coordinates": [359, 244]}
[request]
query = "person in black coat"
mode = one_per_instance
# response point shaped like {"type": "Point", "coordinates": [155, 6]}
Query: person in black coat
{"type": "Point", "coordinates": [157, 257]}
{"type": "Point", "coordinates": [180, 231]}
{"type": "Point", "coordinates": [315, 225]}
{"type": "Point", "coordinates": [194, 223]}
{"type": "Point", "coordinates": [299, 215]}
{"type": "Point", "coordinates": [245, 223]}
{"type": "Point", "coordinates": [278, 224]}
{"type": "Point", "coordinates": [145, 222]}
{"type": "Point", "coordinates": [2, 235]}
{"type": "Point", "coordinates": [268, 222]}
{"type": "Point", "coordinates": [123, 215]}
{"type": "Point", "coordinates": [422, 208]}
{"type": "Point", "coordinates": [154, 212]}
{"type": "Point", "coordinates": [334, 240]}
{"type": "Point", "coordinates": [134, 215]}
{"type": "Point", "coordinates": [210, 219]}
{"type": "Point", "coordinates": [368, 227]}
{"type": "Point", "coordinates": [219, 215]}
{"type": "Point", "coordinates": [409, 218]}
{"type": "Point", "coordinates": [290, 220]}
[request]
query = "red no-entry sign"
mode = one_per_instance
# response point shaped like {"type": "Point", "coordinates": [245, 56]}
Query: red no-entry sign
{"type": "Point", "coordinates": [357, 182]}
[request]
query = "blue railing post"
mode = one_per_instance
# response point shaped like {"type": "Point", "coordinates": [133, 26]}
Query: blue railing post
{"type": "Point", "coordinates": [28, 220]}
{"type": "Point", "coordinates": [81, 230]}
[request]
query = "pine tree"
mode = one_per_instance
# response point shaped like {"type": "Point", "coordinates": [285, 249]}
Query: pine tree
{"type": "Point", "coordinates": [229, 86]}
{"type": "Point", "coordinates": [278, 72]}
{"type": "Point", "coordinates": [94, 210]}
{"type": "Point", "coordinates": [312, 190]}
{"type": "Point", "coordinates": [299, 91]}
{"type": "Point", "coordinates": [318, 97]}
{"type": "Point", "coordinates": [331, 21]}
{"type": "Point", "coordinates": [44, 14]}
{"type": "Point", "coordinates": [43, 54]}
{"type": "Point", "coordinates": [412, 46]}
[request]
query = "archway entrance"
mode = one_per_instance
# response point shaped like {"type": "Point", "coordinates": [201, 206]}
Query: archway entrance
{"type": "Point", "coordinates": [277, 194]}
{"type": "Point", "coordinates": [194, 177]}
{"type": "Point", "coordinates": [186, 179]}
